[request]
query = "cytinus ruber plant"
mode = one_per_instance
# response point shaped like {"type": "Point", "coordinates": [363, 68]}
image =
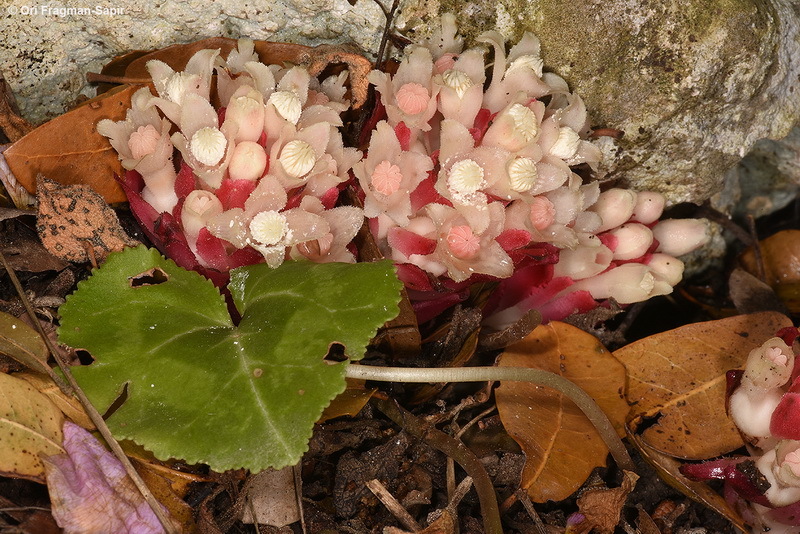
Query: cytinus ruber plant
{"type": "Point", "coordinates": [468, 177]}
{"type": "Point", "coordinates": [257, 179]}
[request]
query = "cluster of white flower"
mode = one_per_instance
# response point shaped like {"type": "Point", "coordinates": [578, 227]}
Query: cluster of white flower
{"type": "Point", "coordinates": [469, 178]}
{"type": "Point", "coordinates": [260, 173]}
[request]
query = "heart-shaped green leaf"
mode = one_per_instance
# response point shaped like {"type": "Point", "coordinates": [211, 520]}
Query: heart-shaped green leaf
{"type": "Point", "coordinates": [203, 389]}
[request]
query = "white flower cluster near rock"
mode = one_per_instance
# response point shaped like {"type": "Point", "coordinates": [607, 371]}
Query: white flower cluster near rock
{"type": "Point", "coordinates": [468, 178]}
{"type": "Point", "coordinates": [472, 166]}
{"type": "Point", "coordinates": [263, 172]}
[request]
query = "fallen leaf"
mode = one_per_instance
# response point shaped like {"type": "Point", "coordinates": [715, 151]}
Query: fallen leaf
{"type": "Point", "coordinates": [30, 426]}
{"type": "Point", "coordinates": [69, 405]}
{"type": "Point", "coordinates": [206, 390]}
{"type": "Point", "coordinates": [676, 382]}
{"type": "Point", "coordinates": [169, 487]}
{"type": "Point", "coordinates": [349, 402]}
{"type": "Point", "coordinates": [21, 342]}
{"type": "Point", "coordinates": [271, 498]}
{"type": "Point", "coordinates": [561, 445]}
{"type": "Point", "coordinates": [751, 295]}
{"type": "Point", "coordinates": [601, 507]}
{"type": "Point", "coordinates": [68, 149]}
{"type": "Point", "coordinates": [75, 223]}
{"type": "Point", "coordinates": [24, 251]}
{"type": "Point", "coordinates": [11, 122]}
{"type": "Point", "coordinates": [668, 469]}
{"type": "Point", "coordinates": [91, 492]}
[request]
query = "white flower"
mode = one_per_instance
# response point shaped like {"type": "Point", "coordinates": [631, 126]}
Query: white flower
{"type": "Point", "coordinates": [567, 143]}
{"type": "Point", "coordinates": [465, 179]}
{"type": "Point", "coordinates": [287, 104]}
{"type": "Point", "coordinates": [522, 174]}
{"type": "Point", "coordinates": [268, 228]}
{"type": "Point", "coordinates": [208, 145]}
{"type": "Point", "coordinates": [457, 80]}
{"type": "Point", "coordinates": [297, 158]}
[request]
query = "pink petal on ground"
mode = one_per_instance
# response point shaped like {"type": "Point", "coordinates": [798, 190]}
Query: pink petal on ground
{"type": "Point", "coordinates": [727, 469]}
{"type": "Point", "coordinates": [91, 492]}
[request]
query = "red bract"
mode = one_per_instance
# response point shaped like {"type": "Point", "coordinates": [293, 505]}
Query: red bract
{"type": "Point", "coordinates": [785, 421]}
{"type": "Point", "coordinates": [738, 473]}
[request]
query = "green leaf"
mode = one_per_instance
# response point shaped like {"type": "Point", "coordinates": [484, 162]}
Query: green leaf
{"type": "Point", "coordinates": [203, 389]}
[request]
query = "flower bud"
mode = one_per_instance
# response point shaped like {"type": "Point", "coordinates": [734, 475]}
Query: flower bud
{"type": "Point", "coordinates": [615, 207]}
{"type": "Point", "coordinates": [681, 236]}
{"type": "Point", "coordinates": [248, 161]}
{"type": "Point", "coordinates": [649, 206]}
{"type": "Point", "coordinates": [632, 241]}
{"type": "Point", "coordinates": [198, 208]}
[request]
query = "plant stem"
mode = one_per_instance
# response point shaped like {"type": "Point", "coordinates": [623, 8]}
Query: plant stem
{"type": "Point", "coordinates": [518, 374]}
{"type": "Point", "coordinates": [454, 449]}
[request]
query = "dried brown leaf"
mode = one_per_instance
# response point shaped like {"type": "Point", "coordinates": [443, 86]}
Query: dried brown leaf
{"type": "Point", "coordinates": [561, 445]}
{"type": "Point", "coordinates": [271, 498]}
{"type": "Point", "coordinates": [68, 404]}
{"type": "Point", "coordinates": [21, 342]}
{"type": "Point", "coordinates": [75, 224]}
{"type": "Point", "coordinates": [348, 402]}
{"type": "Point", "coordinates": [751, 295]}
{"type": "Point", "coordinates": [602, 507]}
{"type": "Point", "coordinates": [69, 150]}
{"type": "Point", "coordinates": [780, 256]}
{"type": "Point", "coordinates": [676, 381]}
{"type": "Point", "coordinates": [11, 122]}
{"type": "Point", "coordinates": [30, 426]}
{"type": "Point", "coordinates": [444, 524]}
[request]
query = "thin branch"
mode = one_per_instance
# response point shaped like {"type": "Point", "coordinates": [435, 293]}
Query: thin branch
{"type": "Point", "coordinates": [386, 31]}
{"type": "Point", "coordinates": [518, 374]}
{"type": "Point", "coordinates": [393, 505]}
{"type": "Point", "coordinates": [95, 77]}
{"type": "Point", "coordinates": [91, 411]}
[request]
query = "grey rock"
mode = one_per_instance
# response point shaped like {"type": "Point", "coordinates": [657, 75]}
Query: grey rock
{"type": "Point", "coordinates": [765, 180]}
{"type": "Point", "coordinates": [47, 47]}
{"type": "Point", "coordinates": [693, 84]}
